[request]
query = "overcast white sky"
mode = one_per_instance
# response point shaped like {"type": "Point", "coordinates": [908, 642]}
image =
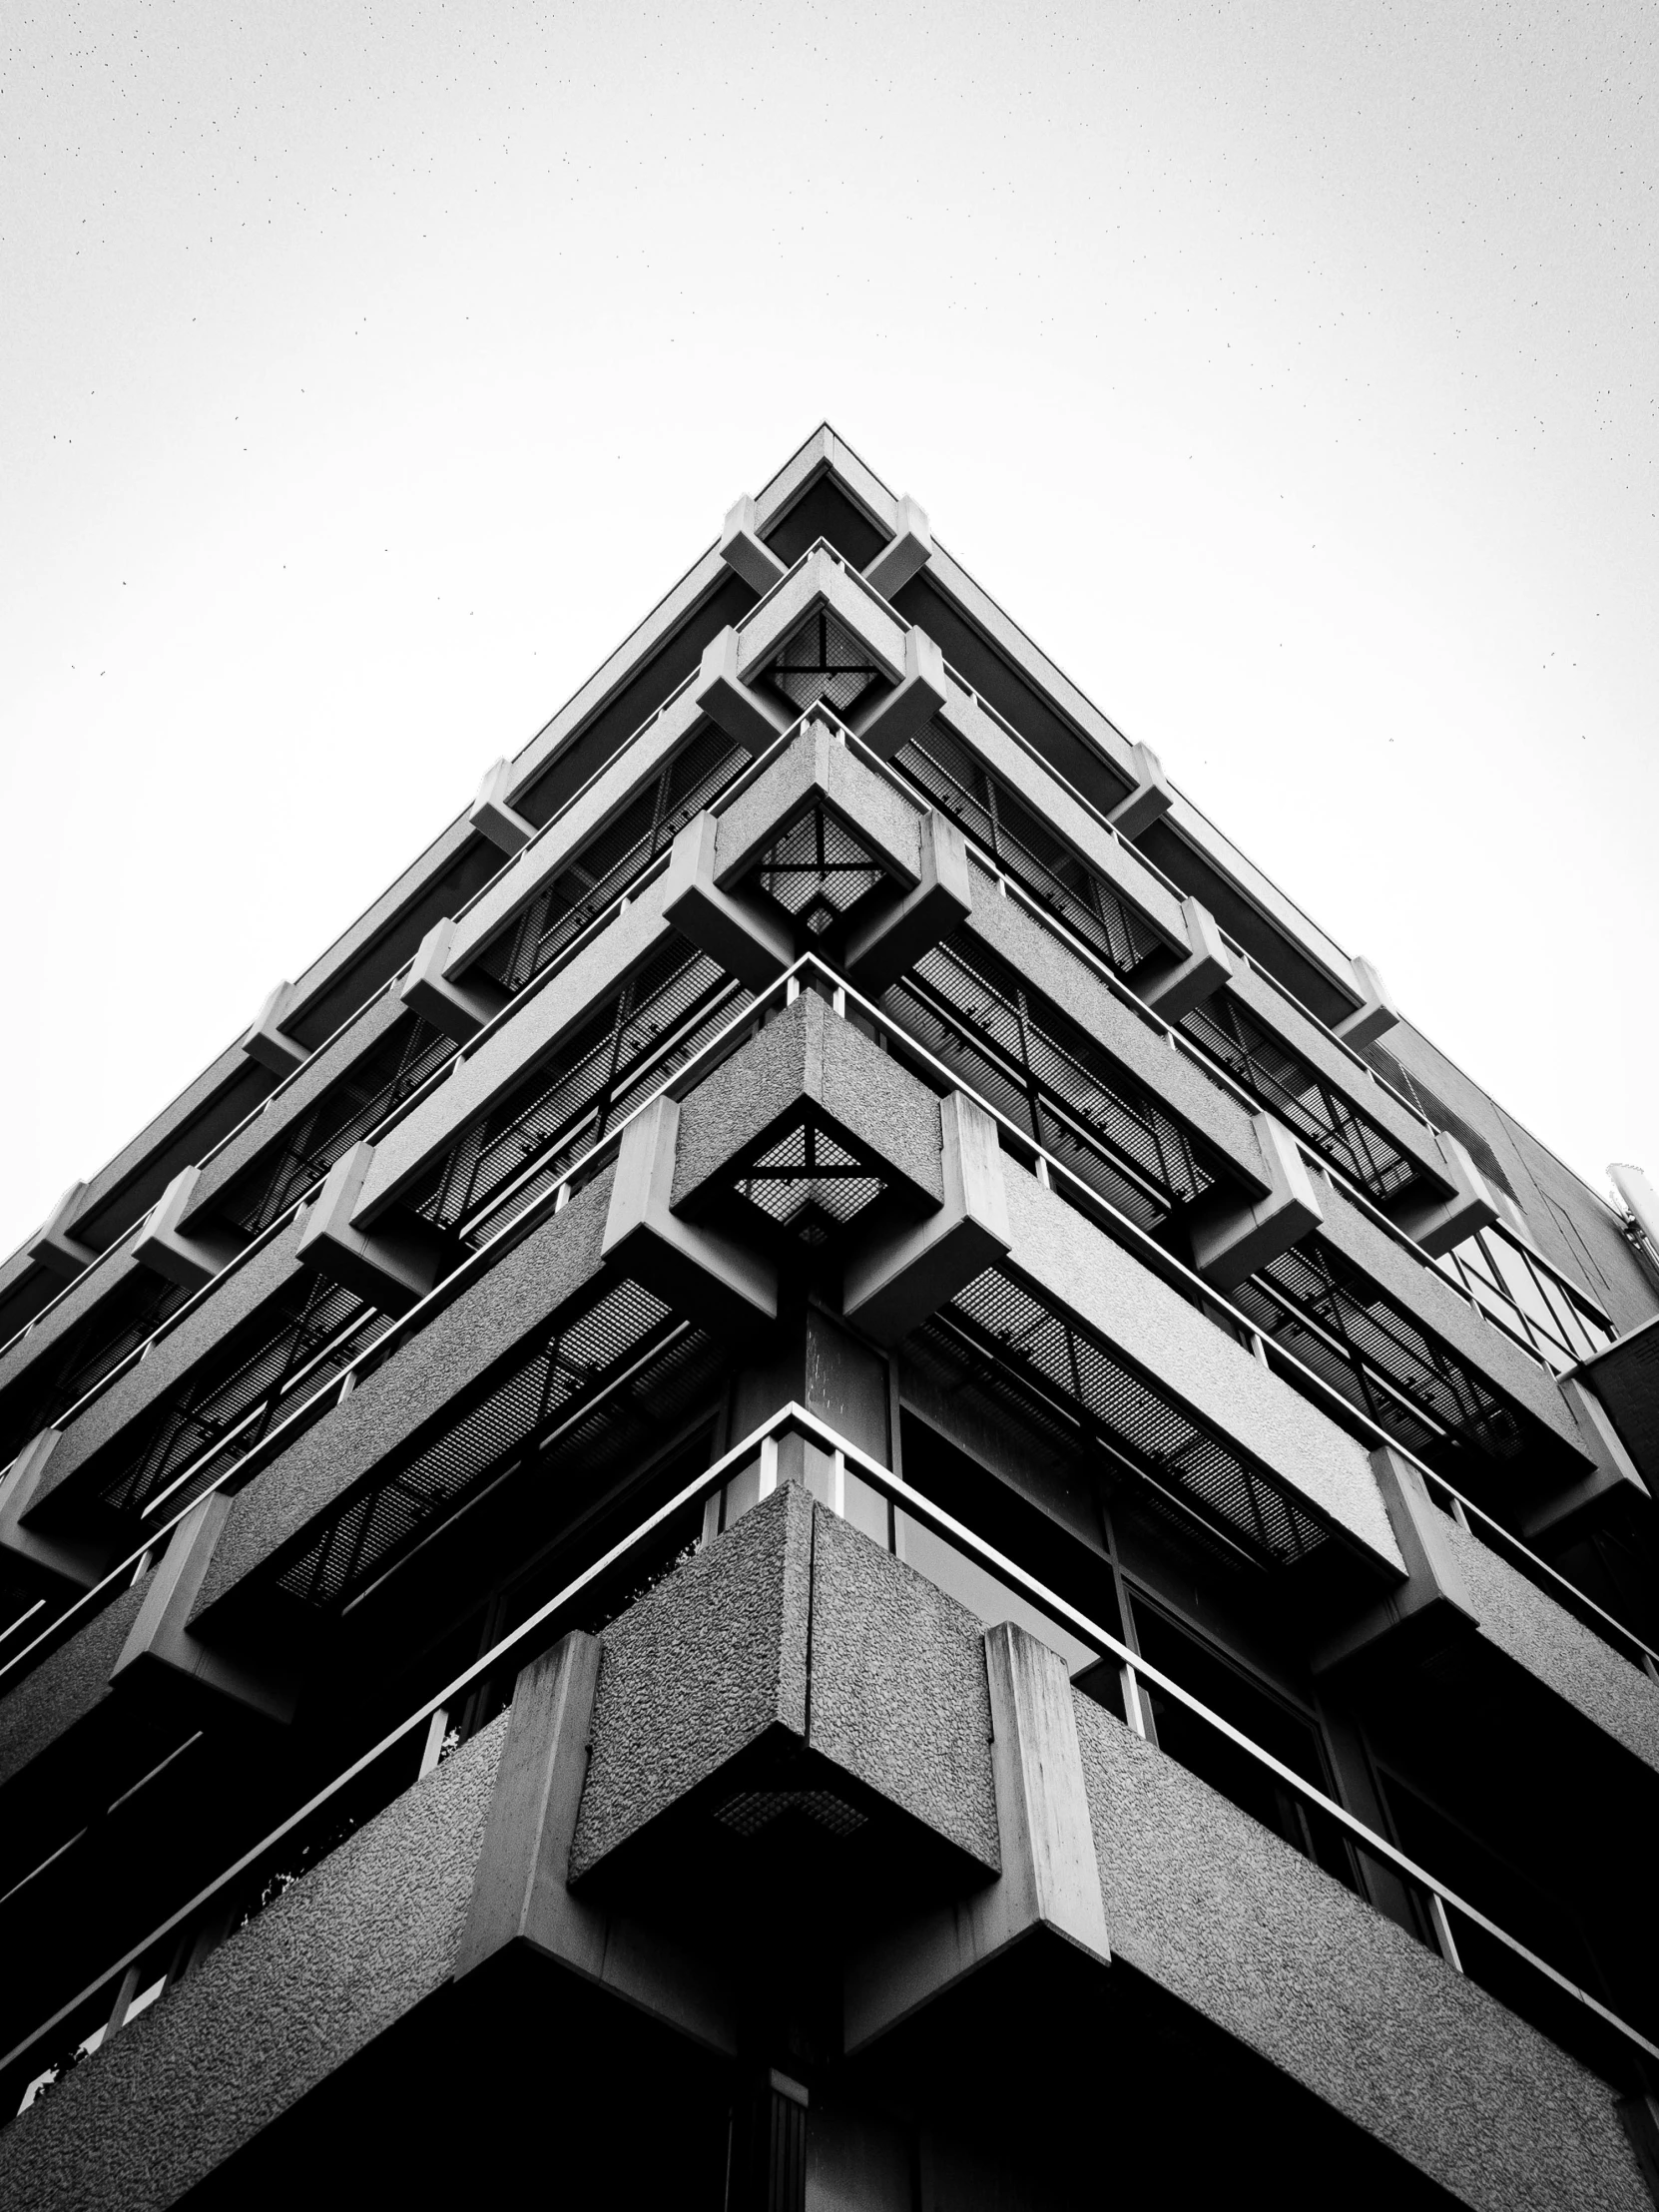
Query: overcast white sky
{"type": "Point", "coordinates": [1288, 370]}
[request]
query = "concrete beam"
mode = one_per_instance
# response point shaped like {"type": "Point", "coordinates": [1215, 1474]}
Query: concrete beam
{"type": "Point", "coordinates": [1050, 1882]}
{"type": "Point", "coordinates": [1376, 1012]}
{"type": "Point", "coordinates": [189, 1257]}
{"type": "Point", "coordinates": [888, 722]}
{"type": "Point", "coordinates": [880, 950]}
{"type": "Point", "coordinates": [52, 1247]}
{"type": "Point", "coordinates": [905, 554]}
{"type": "Point", "coordinates": [1613, 1479]}
{"type": "Point", "coordinates": [749, 717]}
{"type": "Point", "coordinates": [160, 1642]}
{"type": "Point", "coordinates": [1431, 1607]}
{"type": "Point", "coordinates": [79, 1561]}
{"type": "Point", "coordinates": [1176, 985]}
{"type": "Point", "coordinates": [460, 1010]}
{"type": "Point", "coordinates": [744, 551]}
{"type": "Point", "coordinates": [267, 1041]}
{"type": "Point", "coordinates": [755, 947]}
{"type": "Point", "coordinates": [1231, 1239]}
{"type": "Point", "coordinates": [392, 1264]}
{"type": "Point", "coordinates": [521, 1895]}
{"type": "Point", "coordinates": [724, 1284]}
{"type": "Point", "coordinates": [1468, 1205]}
{"type": "Point", "coordinates": [906, 1275]}
{"type": "Point", "coordinates": [493, 816]}
{"type": "Point", "coordinates": [1150, 799]}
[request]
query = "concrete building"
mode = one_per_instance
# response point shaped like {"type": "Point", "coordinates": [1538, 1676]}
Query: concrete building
{"type": "Point", "coordinates": [833, 1478]}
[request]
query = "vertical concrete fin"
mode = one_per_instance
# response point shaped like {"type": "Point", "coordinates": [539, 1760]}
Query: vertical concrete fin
{"type": "Point", "coordinates": [493, 816]}
{"type": "Point", "coordinates": [188, 1258]}
{"type": "Point", "coordinates": [460, 1010]}
{"type": "Point", "coordinates": [743, 550]}
{"type": "Point", "coordinates": [1184, 980]}
{"type": "Point", "coordinates": [887, 724]}
{"type": "Point", "coordinates": [1232, 1237]}
{"type": "Point", "coordinates": [1432, 1605]}
{"type": "Point", "coordinates": [1049, 1871]}
{"type": "Point", "coordinates": [1150, 799]}
{"type": "Point", "coordinates": [751, 945]}
{"type": "Point", "coordinates": [702, 1273]}
{"type": "Point", "coordinates": [1376, 1013]}
{"type": "Point", "coordinates": [906, 552]}
{"type": "Point", "coordinates": [747, 716]}
{"type": "Point", "coordinates": [903, 1277]}
{"type": "Point", "coordinates": [161, 1637]}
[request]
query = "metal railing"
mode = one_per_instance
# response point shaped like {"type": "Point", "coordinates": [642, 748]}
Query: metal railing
{"type": "Point", "coordinates": [1059, 1176]}
{"type": "Point", "coordinates": [1611, 2044]}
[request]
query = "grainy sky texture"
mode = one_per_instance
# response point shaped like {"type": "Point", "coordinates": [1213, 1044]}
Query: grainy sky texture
{"type": "Point", "coordinates": [1288, 370]}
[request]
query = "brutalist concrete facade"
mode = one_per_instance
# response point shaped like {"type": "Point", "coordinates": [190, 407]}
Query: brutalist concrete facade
{"type": "Point", "coordinates": [833, 1478]}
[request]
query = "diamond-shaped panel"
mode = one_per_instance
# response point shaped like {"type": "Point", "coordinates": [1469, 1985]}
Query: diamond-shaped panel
{"type": "Point", "coordinates": [823, 661]}
{"type": "Point", "coordinates": [808, 1183]}
{"type": "Point", "coordinates": [818, 870]}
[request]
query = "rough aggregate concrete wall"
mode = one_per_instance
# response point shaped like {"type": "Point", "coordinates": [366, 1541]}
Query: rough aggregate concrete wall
{"type": "Point", "coordinates": [507, 1303]}
{"type": "Point", "coordinates": [342, 1956]}
{"type": "Point", "coordinates": [1211, 1906]}
{"type": "Point", "coordinates": [816, 762]}
{"type": "Point", "coordinates": [1200, 1366]}
{"type": "Point", "coordinates": [1558, 1650]}
{"type": "Point", "coordinates": [237, 1296]}
{"type": "Point", "coordinates": [898, 1693]}
{"type": "Point", "coordinates": [809, 1053]}
{"type": "Point", "coordinates": [65, 1687]}
{"type": "Point", "coordinates": [701, 1667]}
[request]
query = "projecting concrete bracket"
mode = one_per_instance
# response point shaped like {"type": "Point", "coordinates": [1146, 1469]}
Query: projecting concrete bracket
{"type": "Point", "coordinates": [1446, 1222]}
{"type": "Point", "coordinates": [460, 1010]}
{"type": "Point", "coordinates": [879, 951]}
{"type": "Point", "coordinates": [747, 717]}
{"type": "Point", "coordinates": [892, 720]}
{"type": "Point", "coordinates": [1150, 799]}
{"type": "Point", "coordinates": [160, 1642]}
{"type": "Point", "coordinates": [1614, 1475]}
{"type": "Point", "coordinates": [62, 1559]}
{"type": "Point", "coordinates": [722, 1283]}
{"type": "Point", "coordinates": [1230, 1239]}
{"type": "Point", "coordinates": [1376, 1014]}
{"type": "Point", "coordinates": [743, 550]}
{"type": "Point", "coordinates": [491, 814]}
{"type": "Point", "coordinates": [754, 946]}
{"type": "Point", "coordinates": [1431, 1607]}
{"type": "Point", "coordinates": [521, 1896]}
{"type": "Point", "coordinates": [392, 1264]}
{"type": "Point", "coordinates": [52, 1245]}
{"type": "Point", "coordinates": [164, 1246]}
{"type": "Point", "coordinates": [267, 1041]}
{"type": "Point", "coordinates": [1049, 1886]}
{"type": "Point", "coordinates": [904, 1275]}
{"type": "Point", "coordinates": [1183, 980]}
{"type": "Point", "coordinates": [906, 552]}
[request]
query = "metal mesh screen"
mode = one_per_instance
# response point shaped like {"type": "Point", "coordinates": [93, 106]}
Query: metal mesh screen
{"type": "Point", "coordinates": [1024, 847]}
{"type": "Point", "coordinates": [307, 1338]}
{"type": "Point", "coordinates": [1283, 1081]}
{"type": "Point", "coordinates": [1043, 1354]}
{"type": "Point", "coordinates": [117, 1326]}
{"type": "Point", "coordinates": [1371, 1350]}
{"type": "Point", "coordinates": [808, 1181]}
{"type": "Point", "coordinates": [822, 661]}
{"type": "Point", "coordinates": [1024, 1057]}
{"type": "Point", "coordinates": [542, 1391]}
{"type": "Point", "coordinates": [611, 860]}
{"type": "Point", "coordinates": [818, 870]}
{"type": "Point", "coordinates": [660, 1017]}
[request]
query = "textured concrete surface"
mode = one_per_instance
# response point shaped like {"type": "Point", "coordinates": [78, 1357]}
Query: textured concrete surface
{"type": "Point", "coordinates": [702, 1667]}
{"type": "Point", "coordinates": [816, 762]}
{"type": "Point", "coordinates": [1133, 1039]}
{"type": "Point", "coordinates": [290, 1105]}
{"type": "Point", "coordinates": [898, 1686]}
{"type": "Point", "coordinates": [48, 1702]}
{"type": "Point", "coordinates": [810, 1053]}
{"type": "Point", "coordinates": [819, 577]}
{"type": "Point", "coordinates": [510, 1301]}
{"type": "Point", "coordinates": [242, 1292]}
{"type": "Point", "coordinates": [1560, 1652]}
{"type": "Point", "coordinates": [529, 1035]}
{"type": "Point", "coordinates": [1197, 1364]}
{"type": "Point", "coordinates": [1255, 1937]}
{"type": "Point", "coordinates": [1427, 1296]}
{"type": "Point", "coordinates": [335, 1962]}
{"type": "Point", "coordinates": [1626, 1379]}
